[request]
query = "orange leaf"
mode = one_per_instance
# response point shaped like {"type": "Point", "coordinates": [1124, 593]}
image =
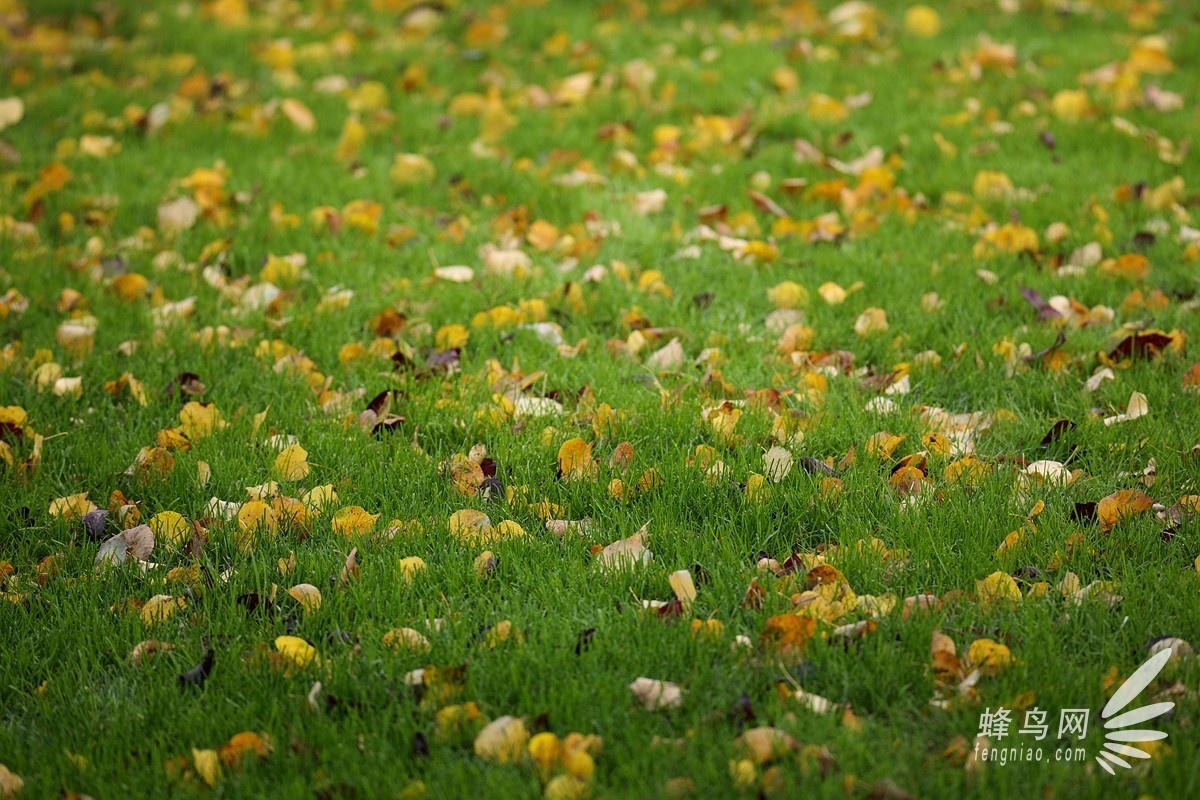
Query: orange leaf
{"type": "Point", "coordinates": [787, 631]}
{"type": "Point", "coordinates": [1115, 508]}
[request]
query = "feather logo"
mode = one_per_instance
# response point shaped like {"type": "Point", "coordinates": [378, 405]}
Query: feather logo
{"type": "Point", "coordinates": [1118, 741]}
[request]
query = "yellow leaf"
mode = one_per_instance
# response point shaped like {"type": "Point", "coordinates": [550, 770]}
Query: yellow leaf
{"type": "Point", "coordinates": [292, 464]}
{"type": "Point", "coordinates": [198, 420]}
{"type": "Point", "coordinates": [469, 525]}
{"type": "Point", "coordinates": [871, 321]}
{"type": "Point", "coordinates": [256, 516]}
{"type": "Point", "coordinates": [508, 529]}
{"type": "Point", "coordinates": [170, 527]}
{"type": "Point", "coordinates": [208, 765]}
{"type": "Point", "coordinates": [788, 632]}
{"type": "Point", "coordinates": [788, 294]}
{"type": "Point", "coordinates": [449, 336]}
{"type": "Point", "coordinates": [410, 168]}
{"type": "Point", "coordinates": [130, 286]}
{"type": "Point", "coordinates": [354, 133]}
{"type": "Point", "coordinates": [967, 470]}
{"type": "Point", "coordinates": [991, 185]}
{"type": "Point", "coordinates": [542, 235]}
{"type": "Point", "coordinates": [502, 741]}
{"type": "Point", "coordinates": [575, 460]}
{"type": "Point", "coordinates": [988, 656]}
{"type": "Point", "coordinates": [296, 650]}
{"type": "Point", "coordinates": [160, 607]}
{"type": "Point", "coordinates": [881, 445]}
{"type": "Point", "coordinates": [72, 507]}
{"type": "Point", "coordinates": [353, 521]}
{"type": "Point", "coordinates": [568, 787]}
{"type": "Point", "coordinates": [410, 567]}
{"type": "Point", "coordinates": [544, 749]}
{"type": "Point", "coordinates": [999, 587]}
{"type": "Point", "coordinates": [922, 21]}
{"type": "Point", "coordinates": [307, 596]}
{"type": "Point", "coordinates": [1071, 104]}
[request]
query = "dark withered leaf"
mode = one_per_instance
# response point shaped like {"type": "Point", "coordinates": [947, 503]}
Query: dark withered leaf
{"type": "Point", "coordinates": [197, 675]}
{"type": "Point", "coordinates": [1144, 344]}
{"type": "Point", "coordinates": [584, 640]}
{"type": "Point", "coordinates": [1084, 512]}
{"type": "Point", "coordinates": [1057, 430]}
{"type": "Point", "coordinates": [814, 466]}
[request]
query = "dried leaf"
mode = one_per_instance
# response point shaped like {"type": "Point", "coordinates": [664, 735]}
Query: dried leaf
{"type": "Point", "coordinates": [654, 694]}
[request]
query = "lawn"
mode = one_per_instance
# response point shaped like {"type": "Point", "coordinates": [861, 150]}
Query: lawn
{"type": "Point", "coordinates": [623, 399]}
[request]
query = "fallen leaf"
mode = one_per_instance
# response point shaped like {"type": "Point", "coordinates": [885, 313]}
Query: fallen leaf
{"type": "Point", "coordinates": [296, 650]}
{"type": "Point", "coordinates": [654, 694]}
{"type": "Point", "coordinates": [307, 596]}
{"type": "Point", "coordinates": [292, 463]}
{"type": "Point", "coordinates": [208, 765]}
{"type": "Point", "coordinates": [1121, 505]}
{"type": "Point", "coordinates": [503, 740]}
{"type": "Point", "coordinates": [625, 554]}
{"type": "Point", "coordinates": [136, 543]}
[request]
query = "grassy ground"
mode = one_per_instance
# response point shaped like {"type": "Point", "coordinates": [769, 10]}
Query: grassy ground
{"type": "Point", "coordinates": [296, 172]}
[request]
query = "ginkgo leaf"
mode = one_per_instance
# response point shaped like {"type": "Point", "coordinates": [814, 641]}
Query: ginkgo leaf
{"type": "Point", "coordinates": [318, 498]}
{"type": "Point", "coordinates": [670, 358]}
{"type": "Point", "coordinates": [988, 656]}
{"type": "Point", "coordinates": [243, 744]}
{"type": "Point", "coordinates": [178, 215]}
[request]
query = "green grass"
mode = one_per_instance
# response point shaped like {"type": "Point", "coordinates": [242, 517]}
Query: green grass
{"type": "Point", "coordinates": [78, 715]}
